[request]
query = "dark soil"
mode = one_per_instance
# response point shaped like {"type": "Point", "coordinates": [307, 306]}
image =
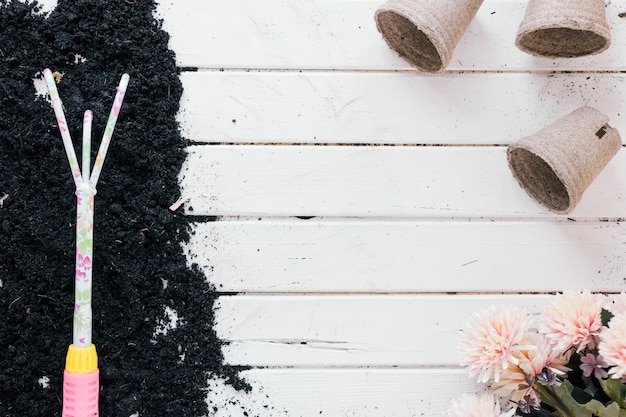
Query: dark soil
{"type": "Point", "coordinates": [137, 239]}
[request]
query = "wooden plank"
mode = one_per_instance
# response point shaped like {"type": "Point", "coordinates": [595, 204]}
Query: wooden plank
{"type": "Point", "coordinates": [350, 330]}
{"type": "Point", "coordinates": [341, 392]}
{"type": "Point", "coordinates": [383, 256]}
{"type": "Point", "coordinates": [365, 107]}
{"type": "Point", "coordinates": [333, 34]}
{"type": "Point", "coordinates": [373, 181]}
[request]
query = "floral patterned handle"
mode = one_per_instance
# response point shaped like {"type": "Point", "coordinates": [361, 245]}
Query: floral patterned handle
{"type": "Point", "coordinates": [85, 192]}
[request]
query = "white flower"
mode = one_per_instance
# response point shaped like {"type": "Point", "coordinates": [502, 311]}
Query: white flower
{"type": "Point", "coordinates": [532, 363]}
{"type": "Point", "coordinates": [491, 338]}
{"type": "Point", "coordinates": [573, 319]}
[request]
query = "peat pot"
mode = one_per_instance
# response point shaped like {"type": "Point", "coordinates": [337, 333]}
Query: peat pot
{"type": "Point", "coordinates": [556, 164]}
{"type": "Point", "coordinates": [564, 29]}
{"type": "Point", "coordinates": [425, 32]}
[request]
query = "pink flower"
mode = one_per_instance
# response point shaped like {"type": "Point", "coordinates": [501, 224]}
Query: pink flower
{"type": "Point", "coordinates": [490, 340]}
{"type": "Point", "coordinates": [484, 405]}
{"type": "Point", "coordinates": [592, 364]}
{"type": "Point", "coordinates": [612, 347]}
{"type": "Point", "coordinates": [573, 319]}
{"type": "Point", "coordinates": [83, 262]}
{"type": "Point", "coordinates": [532, 362]}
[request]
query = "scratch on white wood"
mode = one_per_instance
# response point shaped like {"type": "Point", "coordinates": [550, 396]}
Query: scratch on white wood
{"type": "Point", "coordinates": [350, 330]}
{"type": "Point", "coordinates": [388, 107]}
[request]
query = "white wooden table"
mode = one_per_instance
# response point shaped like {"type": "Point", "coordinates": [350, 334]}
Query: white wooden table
{"type": "Point", "coordinates": [364, 209]}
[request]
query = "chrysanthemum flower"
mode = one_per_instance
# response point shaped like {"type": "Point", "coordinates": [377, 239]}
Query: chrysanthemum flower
{"type": "Point", "coordinates": [490, 339]}
{"type": "Point", "coordinates": [484, 405]}
{"type": "Point", "coordinates": [573, 319]}
{"type": "Point", "coordinates": [612, 347]}
{"type": "Point", "coordinates": [531, 364]}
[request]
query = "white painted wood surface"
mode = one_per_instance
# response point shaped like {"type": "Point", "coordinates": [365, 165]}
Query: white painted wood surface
{"type": "Point", "coordinates": [349, 330]}
{"type": "Point", "coordinates": [341, 35]}
{"type": "Point", "coordinates": [389, 107]}
{"type": "Point", "coordinates": [408, 256]}
{"type": "Point", "coordinates": [299, 109]}
{"type": "Point", "coordinates": [314, 392]}
{"type": "Point", "coordinates": [366, 181]}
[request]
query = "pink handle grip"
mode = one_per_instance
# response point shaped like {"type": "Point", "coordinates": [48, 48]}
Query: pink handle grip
{"type": "Point", "coordinates": [80, 394]}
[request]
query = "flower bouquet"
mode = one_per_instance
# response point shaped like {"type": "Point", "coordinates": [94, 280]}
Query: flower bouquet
{"type": "Point", "coordinates": [567, 361]}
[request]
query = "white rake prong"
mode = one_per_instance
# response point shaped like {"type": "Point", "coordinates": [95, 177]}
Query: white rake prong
{"type": "Point", "coordinates": [57, 106]}
{"type": "Point", "coordinates": [86, 164]}
{"type": "Point", "coordinates": [108, 131]}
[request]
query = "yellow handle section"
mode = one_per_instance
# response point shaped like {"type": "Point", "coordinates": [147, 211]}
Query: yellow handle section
{"type": "Point", "coordinates": [81, 360]}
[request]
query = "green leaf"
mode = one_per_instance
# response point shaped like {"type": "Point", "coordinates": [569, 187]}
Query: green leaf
{"type": "Point", "coordinates": [84, 245]}
{"type": "Point", "coordinates": [606, 316]}
{"type": "Point", "coordinates": [567, 402]}
{"type": "Point", "coordinates": [615, 389]}
{"type": "Point", "coordinates": [80, 320]}
{"type": "Point", "coordinates": [580, 395]}
{"type": "Point", "coordinates": [84, 296]}
{"type": "Point", "coordinates": [598, 409]}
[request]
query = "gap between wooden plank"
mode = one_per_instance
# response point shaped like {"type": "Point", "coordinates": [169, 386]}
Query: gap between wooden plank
{"type": "Point", "coordinates": [555, 71]}
{"type": "Point", "coordinates": [354, 144]}
{"type": "Point", "coordinates": [425, 219]}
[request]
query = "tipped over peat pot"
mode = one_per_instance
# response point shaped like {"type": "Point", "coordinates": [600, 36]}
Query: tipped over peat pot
{"type": "Point", "coordinates": [558, 163]}
{"type": "Point", "coordinates": [425, 32]}
{"type": "Point", "coordinates": [564, 29]}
